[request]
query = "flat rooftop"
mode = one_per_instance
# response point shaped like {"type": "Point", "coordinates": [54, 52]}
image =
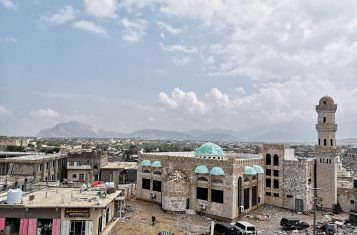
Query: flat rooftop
{"type": "Point", "coordinates": [33, 158]}
{"type": "Point", "coordinates": [121, 165]}
{"type": "Point", "coordinates": [192, 154]}
{"type": "Point", "coordinates": [63, 198]}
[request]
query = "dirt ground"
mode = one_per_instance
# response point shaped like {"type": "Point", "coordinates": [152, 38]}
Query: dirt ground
{"type": "Point", "coordinates": [139, 221]}
{"type": "Point", "coordinates": [266, 219]}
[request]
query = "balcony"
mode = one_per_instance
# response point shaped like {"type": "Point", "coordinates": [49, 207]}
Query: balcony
{"type": "Point", "coordinates": [79, 167]}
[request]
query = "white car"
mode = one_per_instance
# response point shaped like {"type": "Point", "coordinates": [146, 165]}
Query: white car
{"type": "Point", "coordinates": [245, 227]}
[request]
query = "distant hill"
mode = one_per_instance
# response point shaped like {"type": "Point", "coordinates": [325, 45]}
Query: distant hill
{"type": "Point", "coordinates": [160, 134]}
{"type": "Point", "coordinates": [293, 131]}
{"type": "Point", "coordinates": [76, 129]}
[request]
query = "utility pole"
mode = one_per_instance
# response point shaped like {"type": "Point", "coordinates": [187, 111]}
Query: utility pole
{"type": "Point", "coordinates": [315, 209]}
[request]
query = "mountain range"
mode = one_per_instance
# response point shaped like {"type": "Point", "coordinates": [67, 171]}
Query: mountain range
{"type": "Point", "coordinates": [293, 131]}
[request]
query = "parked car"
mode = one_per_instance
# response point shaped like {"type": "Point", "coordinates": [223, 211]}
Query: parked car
{"type": "Point", "coordinates": [226, 229]}
{"type": "Point", "coordinates": [246, 228]}
{"type": "Point", "coordinates": [293, 223]}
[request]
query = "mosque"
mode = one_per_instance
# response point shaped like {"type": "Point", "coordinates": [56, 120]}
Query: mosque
{"type": "Point", "coordinates": [227, 185]}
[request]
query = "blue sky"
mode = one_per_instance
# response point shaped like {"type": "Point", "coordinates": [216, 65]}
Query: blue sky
{"type": "Point", "coordinates": [177, 65]}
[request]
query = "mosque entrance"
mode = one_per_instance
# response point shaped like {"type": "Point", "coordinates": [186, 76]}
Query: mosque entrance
{"type": "Point", "coordinates": [299, 205]}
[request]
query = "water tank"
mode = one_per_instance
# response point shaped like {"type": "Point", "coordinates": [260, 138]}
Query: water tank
{"type": "Point", "coordinates": [14, 196]}
{"type": "Point", "coordinates": [109, 185]}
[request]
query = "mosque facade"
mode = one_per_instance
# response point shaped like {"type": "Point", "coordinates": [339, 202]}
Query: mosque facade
{"type": "Point", "coordinates": [227, 185]}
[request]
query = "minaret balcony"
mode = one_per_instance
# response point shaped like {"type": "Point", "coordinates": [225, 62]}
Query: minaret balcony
{"type": "Point", "coordinates": [326, 127]}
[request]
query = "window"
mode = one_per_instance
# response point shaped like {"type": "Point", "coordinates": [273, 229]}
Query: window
{"type": "Point", "coordinates": [157, 173]}
{"type": "Point", "coordinates": [268, 159]}
{"type": "Point", "coordinates": [217, 181]}
{"type": "Point", "coordinates": [156, 185]}
{"type": "Point", "coordinates": [147, 171]}
{"type": "Point", "coordinates": [309, 180]}
{"type": "Point", "coordinates": [276, 183]}
{"type": "Point", "coordinates": [146, 184]}
{"type": "Point", "coordinates": [319, 142]}
{"type": "Point", "coordinates": [74, 176]}
{"type": "Point", "coordinates": [268, 193]}
{"type": "Point", "coordinates": [276, 173]}
{"type": "Point", "coordinates": [329, 161]}
{"type": "Point", "coordinates": [325, 142]}
{"type": "Point", "coordinates": [352, 201]}
{"type": "Point", "coordinates": [331, 140]}
{"type": "Point", "coordinates": [289, 196]}
{"type": "Point", "coordinates": [202, 193]}
{"type": "Point", "coordinates": [77, 227]}
{"type": "Point", "coordinates": [324, 119]}
{"type": "Point", "coordinates": [276, 160]}
{"type": "Point", "coordinates": [204, 179]}
{"type": "Point", "coordinates": [355, 184]}
{"type": "Point", "coordinates": [246, 198]}
{"type": "Point", "coordinates": [268, 172]}
{"type": "Point", "coordinates": [216, 196]}
{"type": "Point", "coordinates": [276, 194]}
{"type": "Point", "coordinates": [268, 183]}
{"type": "Point", "coordinates": [81, 177]}
{"type": "Point", "coordinates": [95, 167]}
{"type": "Point", "coordinates": [254, 195]}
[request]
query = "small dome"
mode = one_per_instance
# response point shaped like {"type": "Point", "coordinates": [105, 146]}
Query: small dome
{"type": "Point", "coordinates": [202, 169]}
{"type": "Point", "coordinates": [248, 170]}
{"type": "Point", "coordinates": [217, 170]}
{"type": "Point", "coordinates": [258, 169]}
{"type": "Point", "coordinates": [209, 149]}
{"type": "Point", "coordinates": [156, 164]}
{"type": "Point", "coordinates": [146, 163]}
{"type": "Point", "coordinates": [326, 100]}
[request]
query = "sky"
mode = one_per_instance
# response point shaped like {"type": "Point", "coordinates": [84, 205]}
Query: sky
{"type": "Point", "coordinates": [125, 65]}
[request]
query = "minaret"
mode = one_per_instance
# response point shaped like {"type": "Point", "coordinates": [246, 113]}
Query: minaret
{"type": "Point", "coordinates": [326, 153]}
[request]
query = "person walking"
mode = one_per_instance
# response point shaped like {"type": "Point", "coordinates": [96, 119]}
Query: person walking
{"type": "Point", "coordinates": [153, 219]}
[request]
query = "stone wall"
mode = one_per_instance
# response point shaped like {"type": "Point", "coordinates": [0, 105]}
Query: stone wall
{"type": "Point", "coordinates": [347, 197]}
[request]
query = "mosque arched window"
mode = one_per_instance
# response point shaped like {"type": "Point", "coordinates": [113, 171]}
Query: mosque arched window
{"type": "Point", "coordinates": [276, 160]}
{"type": "Point", "coordinates": [268, 159]}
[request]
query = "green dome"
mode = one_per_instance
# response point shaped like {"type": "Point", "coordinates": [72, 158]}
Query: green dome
{"type": "Point", "coordinates": [217, 170]}
{"type": "Point", "coordinates": [202, 169]}
{"type": "Point", "coordinates": [258, 169]}
{"type": "Point", "coordinates": [248, 170]}
{"type": "Point", "coordinates": [156, 164]}
{"type": "Point", "coordinates": [209, 149]}
{"type": "Point", "coordinates": [146, 163]}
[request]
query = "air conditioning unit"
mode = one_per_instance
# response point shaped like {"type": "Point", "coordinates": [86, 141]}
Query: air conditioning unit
{"type": "Point", "coordinates": [153, 194]}
{"type": "Point", "coordinates": [241, 208]}
{"type": "Point", "coordinates": [203, 206]}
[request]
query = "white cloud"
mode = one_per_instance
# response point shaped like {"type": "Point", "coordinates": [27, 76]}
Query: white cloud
{"type": "Point", "coordinates": [169, 28]}
{"type": "Point", "coordinates": [186, 102]}
{"type": "Point", "coordinates": [62, 16]}
{"type": "Point", "coordinates": [178, 48]}
{"type": "Point", "coordinates": [181, 60]}
{"type": "Point", "coordinates": [101, 8]}
{"type": "Point", "coordinates": [90, 27]}
{"type": "Point", "coordinates": [133, 31]}
{"type": "Point", "coordinates": [45, 113]}
{"type": "Point", "coordinates": [4, 111]}
{"type": "Point", "coordinates": [7, 4]}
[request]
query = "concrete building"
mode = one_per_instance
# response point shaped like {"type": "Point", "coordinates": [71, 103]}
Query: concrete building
{"type": "Point", "coordinates": [34, 167]}
{"type": "Point", "coordinates": [65, 211]}
{"type": "Point", "coordinates": [119, 172]}
{"type": "Point", "coordinates": [84, 166]}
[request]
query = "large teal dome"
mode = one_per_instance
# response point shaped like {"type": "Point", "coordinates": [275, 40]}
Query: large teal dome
{"type": "Point", "coordinates": [209, 149]}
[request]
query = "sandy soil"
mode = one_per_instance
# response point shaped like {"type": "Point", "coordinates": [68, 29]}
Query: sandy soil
{"type": "Point", "coordinates": [140, 221]}
{"type": "Point", "coordinates": [265, 218]}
